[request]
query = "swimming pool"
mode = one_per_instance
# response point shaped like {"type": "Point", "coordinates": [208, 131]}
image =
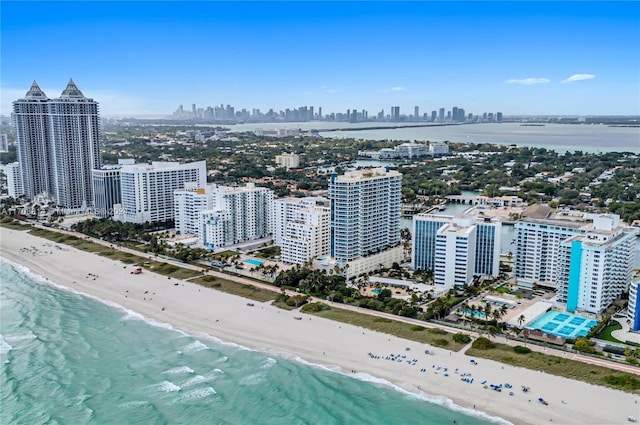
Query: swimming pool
{"type": "Point", "coordinates": [565, 325]}
{"type": "Point", "coordinates": [254, 262]}
{"type": "Point", "coordinates": [375, 291]}
{"type": "Point", "coordinates": [476, 314]}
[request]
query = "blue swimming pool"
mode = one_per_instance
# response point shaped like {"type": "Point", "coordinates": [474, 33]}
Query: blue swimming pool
{"type": "Point", "coordinates": [476, 314]}
{"type": "Point", "coordinates": [562, 324]}
{"type": "Point", "coordinates": [375, 291]}
{"type": "Point", "coordinates": [254, 262]}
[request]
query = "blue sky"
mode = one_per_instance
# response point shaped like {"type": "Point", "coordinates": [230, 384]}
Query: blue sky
{"type": "Point", "coordinates": [149, 57]}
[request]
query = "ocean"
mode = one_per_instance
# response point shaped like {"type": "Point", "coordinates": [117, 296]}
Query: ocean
{"type": "Point", "coordinates": [70, 359]}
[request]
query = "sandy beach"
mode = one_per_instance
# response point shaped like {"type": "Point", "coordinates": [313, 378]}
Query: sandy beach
{"type": "Point", "coordinates": [204, 312]}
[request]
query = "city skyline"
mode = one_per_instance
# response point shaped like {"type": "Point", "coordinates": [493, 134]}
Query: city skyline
{"type": "Point", "coordinates": [549, 58]}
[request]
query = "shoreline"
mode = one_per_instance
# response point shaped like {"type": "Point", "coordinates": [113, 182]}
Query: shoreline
{"type": "Point", "coordinates": [225, 318]}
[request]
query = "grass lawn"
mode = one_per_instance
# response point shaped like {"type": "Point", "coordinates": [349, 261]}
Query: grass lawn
{"type": "Point", "coordinates": [416, 333]}
{"type": "Point", "coordinates": [562, 367]}
{"type": "Point", "coordinates": [14, 225]}
{"type": "Point", "coordinates": [235, 288]}
{"type": "Point", "coordinates": [172, 270]}
{"type": "Point", "coordinates": [605, 333]}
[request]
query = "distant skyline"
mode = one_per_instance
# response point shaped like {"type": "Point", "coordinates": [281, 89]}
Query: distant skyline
{"type": "Point", "coordinates": [521, 58]}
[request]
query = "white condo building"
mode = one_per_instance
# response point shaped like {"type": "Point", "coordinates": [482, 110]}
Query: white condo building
{"type": "Point", "coordinates": [288, 160]}
{"type": "Point", "coordinates": [58, 145]}
{"type": "Point", "coordinates": [537, 249]}
{"type": "Point", "coordinates": [455, 253]}
{"type": "Point", "coordinates": [188, 203]}
{"type": "Point", "coordinates": [595, 267]}
{"type": "Point", "coordinates": [220, 215]}
{"type": "Point", "coordinates": [14, 179]}
{"type": "Point", "coordinates": [365, 220]}
{"type": "Point", "coordinates": [301, 228]}
{"type": "Point", "coordinates": [148, 189]}
{"type": "Point", "coordinates": [456, 248]}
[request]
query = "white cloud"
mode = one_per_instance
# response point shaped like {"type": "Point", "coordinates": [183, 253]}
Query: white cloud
{"type": "Point", "coordinates": [332, 91]}
{"type": "Point", "coordinates": [579, 77]}
{"type": "Point", "coordinates": [398, 88]}
{"type": "Point", "coordinates": [528, 81]}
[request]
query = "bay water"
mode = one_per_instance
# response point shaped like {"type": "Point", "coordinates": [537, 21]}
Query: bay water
{"type": "Point", "coordinates": [69, 359]}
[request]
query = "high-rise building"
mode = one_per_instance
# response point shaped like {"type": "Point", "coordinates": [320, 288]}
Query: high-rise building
{"type": "Point", "coordinates": [365, 219]}
{"type": "Point", "coordinates": [4, 143]}
{"type": "Point", "coordinates": [589, 263]}
{"type": "Point", "coordinates": [595, 267]}
{"type": "Point", "coordinates": [441, 115]}
{"type": "Point", "coordinates": [633, 307]}
{"type": "Point", "coordinates": [434, 116]}
{"type": "Point", "coordinates": [395, 113]}
{"type": "Point", "coordinates": [454, 114]}
{"type": "Point", "coordinates": [238, 214]}
{"type": "Point", "coordinates": [416, 113]}
{"type": "Point", "coordinates": [301, 228]}
{"type": "Point", "coordinates": [455, 253]}
{"type": "Point", "coordinates": [288, 160]}
{"type": "Point", "coordinates": [188, 203]}
{"type": "Point", "coordinates": [58, 143]}
{"type": "Point", "coordinates": [14, 179]}
{"type": "Point", "coordinates": [106, 188]}
{"type": "Point", "coordinates": [499, 117]}
{"type": "Point", "coordinates": [537, 248]}
{"type": "Point", "coordinates": [148, 189]}
{"type": "Point", "coordinates": [456, 248]}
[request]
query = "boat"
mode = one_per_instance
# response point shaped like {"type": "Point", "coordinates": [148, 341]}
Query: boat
{"type": "Point", "coordinates": [632, 419]}
{"type": "Point", "coordinates": [138, 270]}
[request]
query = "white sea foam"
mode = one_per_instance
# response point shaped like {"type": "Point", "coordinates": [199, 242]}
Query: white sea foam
{"type": "Point", "coordinates": [194, 347]}
{"type": "Point", "coordinates": [179, 370]}
{"type": "Point", "coordinates": [253, 379]}
{"type": "Point", "coordinates": [23, 337]}
{"type": "Point", "coordinates": [167, 387]}
{"type": "Point", "coordinates": [193, 381]}
{"type": "Point", "coordinates": [198, 394]}
{"type": "Point", "coordinates": [4, 346]}
{"type": "Point", "coordinates": [439, 400]}
{"type": "Point", "coordinates": [268, 363]}
{"type": "Point", "coordinates": [134, 403]}
{"type": "Point", "coordinates": [218, 371]}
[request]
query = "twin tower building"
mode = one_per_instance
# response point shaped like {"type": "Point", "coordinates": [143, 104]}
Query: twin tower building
{"type": "Point", "coordinates": [58, 143]}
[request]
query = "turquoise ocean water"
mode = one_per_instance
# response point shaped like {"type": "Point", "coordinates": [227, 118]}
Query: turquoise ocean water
{"type": "Point", "coordinates": [70, 359]}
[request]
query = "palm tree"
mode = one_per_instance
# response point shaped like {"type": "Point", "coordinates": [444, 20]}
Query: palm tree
{"type": "Point", "coordinates": [521, 320]}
